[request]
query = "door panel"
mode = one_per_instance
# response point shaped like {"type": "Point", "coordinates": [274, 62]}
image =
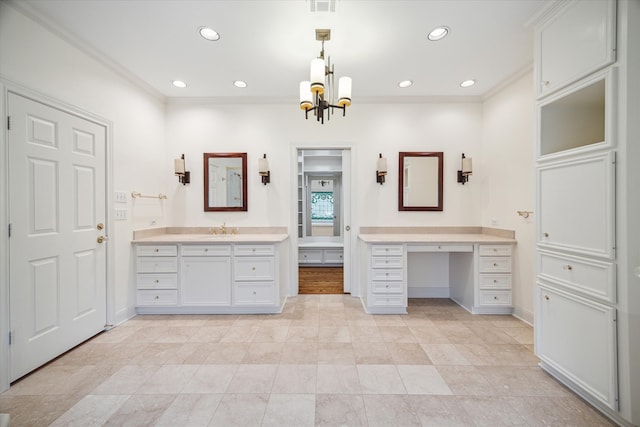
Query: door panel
{"type": "Point", "coordinates": [57, 272]}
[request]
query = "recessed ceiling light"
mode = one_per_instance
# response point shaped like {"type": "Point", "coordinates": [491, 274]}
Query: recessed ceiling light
{"type": "Point", "coordinates": [209, 34]}
{"type": "Point", "coordinates": [467, 83]}
{"type": "Point", "coordinates": [438, 33]}
{"type": "Point", "coordinates": [405, 83]}
{"type": "Point", "coordinates": [240, 83]}
{"type": "Point", "coordinates": [179, 83]}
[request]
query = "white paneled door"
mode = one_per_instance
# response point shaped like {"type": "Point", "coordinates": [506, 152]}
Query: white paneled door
{"type": "Point", "coordinates": [57, 212]}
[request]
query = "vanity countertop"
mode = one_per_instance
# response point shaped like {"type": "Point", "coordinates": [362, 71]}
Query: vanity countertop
{"type": "Point", "coordinates": [209, 238]}
{"type": "Point", "coordinates": [204, 235]}
{"type": "Point", "coordinates": [434, 238]}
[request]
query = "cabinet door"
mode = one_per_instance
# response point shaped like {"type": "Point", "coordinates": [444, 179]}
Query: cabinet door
{"type": "Point", "coordinates": [577, 337]}
{"type": "Point", "coordinates": [576, 205]}
{"type": "Point", "coordinates": [205, 281]}
{"type": "Point", "coordinates": [577, 41]}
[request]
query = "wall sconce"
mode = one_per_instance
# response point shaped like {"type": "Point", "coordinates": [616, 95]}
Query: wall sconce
{"type": "Point", "coordinates": [184, 176]}
{"type": "Point", "coordinates": [263, 170]}
{"type": "Point", "coordinates": [381, 169]}
{"type": "Point", "coordinates": [465, 170]}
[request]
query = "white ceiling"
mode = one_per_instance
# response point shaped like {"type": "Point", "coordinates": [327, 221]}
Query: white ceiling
{"type": "Point", "coordinates": [269, 43]}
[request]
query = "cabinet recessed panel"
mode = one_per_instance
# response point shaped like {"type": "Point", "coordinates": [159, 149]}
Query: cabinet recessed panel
{"type": "Point", "coordinates": [576, 205]}
{"type": "Point", "coordinates": [43, 187]}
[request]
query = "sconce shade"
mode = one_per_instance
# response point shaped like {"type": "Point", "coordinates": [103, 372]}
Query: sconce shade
{"type": "Point", "coordinates": [317, 75]}
{"type": "Point", "coordinates": [178, 165]}
{"type": "Point", "coordinates": [467, 166]}
{"type": "Point", "coordinates": [306, 97]}
{"type": "Point", "coordinates": [263, 166]}
{"type": "Point", "coordinates": [344, 91]}
{"type": "Point", "coordinates": [382, 166]}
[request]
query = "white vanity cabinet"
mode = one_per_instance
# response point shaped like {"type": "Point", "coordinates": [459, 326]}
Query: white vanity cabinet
{"type": "Point", "coordinates": [194, 277]}
{"type": "Point", "coordinates": [494, 279]}
{"type": "Point", "coordinates": [577, 40]}
{"type": "Point", "coordinates": [254, 275]}
{"type": "Point", "coordinates": [386, 283]}
{"type": "Point", "coordinates": [205, 274]}
{"type": "Point", "coordinates": [157, 275]}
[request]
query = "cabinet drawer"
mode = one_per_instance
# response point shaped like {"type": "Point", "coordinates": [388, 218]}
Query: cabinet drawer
{"type": "Point", "coordinates": [245, 294]}
{"type": "Point", "coordinates": [387, 274]}
{"type": "Point", "coordinates": [156, 250]}
{"type": "Point", "coordinates": [441, 248]}
{"type": "Point", "coordinates": [495, 281]}
{"type": "Point", "coordinates": [157, 264]}
{"type": "Point", "coordinates": [310, 256]}
{"type": "Point", "coordinates": [333, 256]}
{"type": "Point", "coordinates": [495, 264]}
{"type": "Point", "coordinates": [495, 297]}
{"type": "Point", "coordinates": [596, 278]}
{"type": "Point", "coordinates": [158, 297]}
{"type": "Point", "coordinates": [380, 250]}
{"type": "Point", "coordinates": [388, 262]}
{"type": "Point", "coordinates": [205, 250]}
{"type": "Point", "coordinates": [388, 300]}
{"type": "Point", "coordinates": [251, 250]}
{"type": "Point", "coordinates": [387, 287]}
{"type": "Point", "coordinates": [157, 281]}
{"type": "Point", "coordinates": [254, 268]}
{"type": "Point", "coordinates": [495, 250]}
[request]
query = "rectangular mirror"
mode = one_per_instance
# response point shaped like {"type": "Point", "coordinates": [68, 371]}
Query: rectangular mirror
{"type": "Point", "coordinates": [420, 181]}
{"type": "Point", "coordinates": [225, 182]}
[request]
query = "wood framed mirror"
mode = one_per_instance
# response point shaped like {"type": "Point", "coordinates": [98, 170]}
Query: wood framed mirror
{"type": "Point", "coordinates": [420, 181]}
{"type": "Point", "coordinates": [225, 182]}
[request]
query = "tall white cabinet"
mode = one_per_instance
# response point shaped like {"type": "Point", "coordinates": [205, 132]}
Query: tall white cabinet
{"type": "Point", "coordinates": [583, 318]}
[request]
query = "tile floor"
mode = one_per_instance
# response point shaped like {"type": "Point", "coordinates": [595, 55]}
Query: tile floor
{"type": "Point", "coordinates": [323, 362]}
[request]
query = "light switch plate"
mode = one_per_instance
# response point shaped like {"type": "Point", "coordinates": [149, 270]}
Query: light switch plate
{"type": "Point", "coordinates": [121, 197]}
{"type": "Point", "coordinates": [121, 214]}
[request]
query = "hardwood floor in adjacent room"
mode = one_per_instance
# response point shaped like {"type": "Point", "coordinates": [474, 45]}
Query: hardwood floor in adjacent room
{"type": "Point", "coordinates": [320, 280]}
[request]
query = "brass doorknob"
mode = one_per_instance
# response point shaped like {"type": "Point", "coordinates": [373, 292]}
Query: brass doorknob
{"type": "Point", "coordinates": [102, 239]}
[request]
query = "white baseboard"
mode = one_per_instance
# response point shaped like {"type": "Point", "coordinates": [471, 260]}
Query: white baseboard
{"type": "Point", "coordinates": [525, 315]}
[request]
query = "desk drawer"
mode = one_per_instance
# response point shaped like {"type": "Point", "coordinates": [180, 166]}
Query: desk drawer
{"type": "Point", "coordinates": [310, 256]}
{"type": "Point", "coordinates": [495, 250]}
{"type": "Point", "coordinates": [253, 250]}
{"type": "Point", "coordinates": [156, 250]}
{"type": "Point", "coordinates": [157, 264]}
{"type": "Point", "coordinates": [157, 281]}
{"type": "Point", "coordinates": [333, 256]}
{"type": "Point", "coordinates": [489, 264]}
{"type": "Point", "coordinates": [495, 281]}
{"type": "Point", "coordinates": [254, 268]}
{"type": "Point", "coordinates": [387, 274]}
{"type": "Point", "coordinates": [388, 300]}
{"type": "Point", "coordinates": [442, 247]}
{"type": "Point", "coordinates": [205, 250]}
{"type": "Point", "coordinates": [157, 297]}
{"type": "Point", "coordinates": [495, 297]}
{"type": "Point", "coordinates": [384, 250]}
{"type": "Point", "coordinates": [387, 287]}
{"type": "Point", "coordinates": [387, 262]}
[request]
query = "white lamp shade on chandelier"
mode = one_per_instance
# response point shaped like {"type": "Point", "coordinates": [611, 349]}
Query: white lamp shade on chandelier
{"type": "Point", "coordinates": [317, 75]}
{"type": "Point", "coordinates": [306, 97]}
{"type": "Point", "coordinates": [344, 91]}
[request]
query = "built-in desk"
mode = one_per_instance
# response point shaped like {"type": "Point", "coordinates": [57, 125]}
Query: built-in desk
{"type": "Point", "coordinates": [473, 269]}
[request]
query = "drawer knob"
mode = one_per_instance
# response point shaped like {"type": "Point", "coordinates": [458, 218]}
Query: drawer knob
{"type": "Point", "coordinates": [495, 281]}
{"type": "Point", "coordinates": [386, 286]}
{"type": "Point", "coordinates": [495, 298]}
{"type": "Point", "coordinates": [254, 249]}
{"type": "Point", "coordinates": [545, 83]}
{"type": "Point", "coordinates": [546, 297]}
{"type": "Point", "coordinates": [206, 249]}
{"type": "Point", "coordinates": [439, 247]}
{"type": "Point", "coordinates": [253, 268]}
{"type": "Point", "coordinates": [254, 292]}
{"type": "Point", "coordinates": [157, 281]}
{"type": "Point", "coordinates": [495, 249]}
{"type": "Point", "coordinates": [546, 234]}
{"type": "Point", "coordinates": [157, 250]}
{"type": "Point", "coordinates": [495, 264]}
{"type": "Point", "coordinates": [157, 297]}
{"type": "Point", "coordinates": [569, 267]}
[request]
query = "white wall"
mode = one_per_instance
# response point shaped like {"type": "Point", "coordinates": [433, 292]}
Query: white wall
{"type": "Point", "coordinates": [506, 179]}
{"type": "Point", "coordinates": [43, 62]}
{"type": "Point", "coordinates": [257, 129]}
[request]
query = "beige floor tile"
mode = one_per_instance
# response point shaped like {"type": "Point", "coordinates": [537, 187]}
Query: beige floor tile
{"type": "Point", "coordinates": [190, 410]}
{"type": "Point", "coordinates": [334, 334]}
{"type": "Point", "coordinates": [302, 334]}
{"type": "Point", "coordinates": [91, 411]}
{"type": "Point", "coordinates": [340, 410]}
{"type": "Point", "coordinates": [140, 410]}
{"type": "Point", "coordinates": [253, 379]}
{"type": "Point", "coordinates": [271, 334]}
{"type": "Point", "coordinates": [423, 379]}
{"type": "Point", "coordinates": [380, 379]}
{"type": "Point", "coordinates": [365, 334]}
{"type": "Point", "coordinates": [227, 353]}
{"type": "Point", "coordinates": [335, 353]}
{"type": "Point", "coordinates": [168, 379]}
{"type": "Point", "coordinates": [372, 353]}
{"type": "Point", "coordinates": [466, 380]}
{"type": "Point", "coordinates": [210, 379]}
{"type": "Point", "coordinates": [408, 354]}
{"type": "Point", "coordinates": [389, 410]}
{"type": "Point", "coordinates": [299, 353]}
{"type": "Point", "coordinates": [338, 379]}
{"type": "Point", "coordinates": [445, 354]}
{"type": "Point", "coordinates": [37, 410]}
{"type": "Point", "coordinates": [208, 334]}
{"type": "Point", "coordinates": [263, 352]}
{"type": "Point", "coordinates": [290, 410]}
{"type": "Point", "coordinates": [127, 380]}
{"type": "Point", "coordinates": [241, 410]}
{"type": "Point", "coordinates": [297, 379]}
{"type": "Point", "coordinates": [397, 334]}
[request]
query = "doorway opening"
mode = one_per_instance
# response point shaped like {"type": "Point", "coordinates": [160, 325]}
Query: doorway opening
{"type": "Point", "coordinates": [321, 216]}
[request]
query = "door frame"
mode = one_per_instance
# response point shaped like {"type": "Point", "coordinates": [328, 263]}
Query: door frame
{"type": "Point", "coordinates": [7, 87]}
{"type": "Point", "coordinates": [351, 220]}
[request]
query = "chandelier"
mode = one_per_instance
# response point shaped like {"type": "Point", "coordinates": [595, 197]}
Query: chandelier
{"type": "Point", "coordinates": [317, 94]}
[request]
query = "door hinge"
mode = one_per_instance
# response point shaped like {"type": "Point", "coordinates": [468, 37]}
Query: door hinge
{"type": "Point", "coordinates": [9, 230]}
{"type": "Point", "coordinates": [8, 122]}
{"type": "Point", "coordinates": [10, 337]}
